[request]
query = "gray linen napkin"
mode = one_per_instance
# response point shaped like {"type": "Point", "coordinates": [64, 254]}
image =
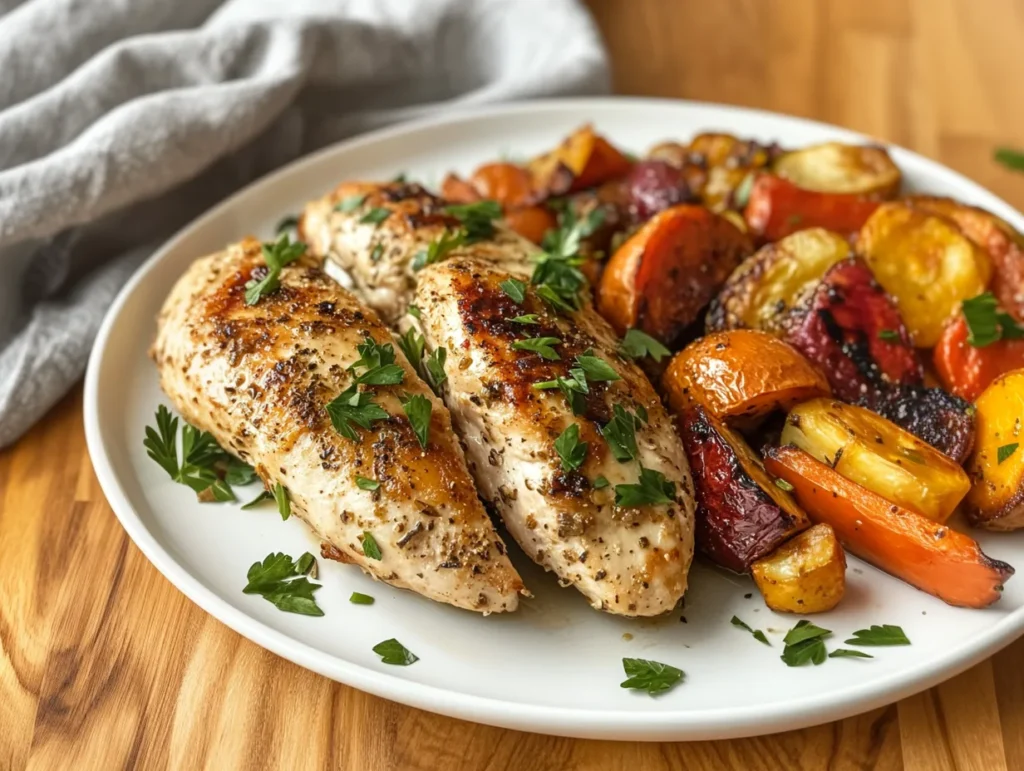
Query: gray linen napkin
{"type": "Point", "coordinates": [120, 120]}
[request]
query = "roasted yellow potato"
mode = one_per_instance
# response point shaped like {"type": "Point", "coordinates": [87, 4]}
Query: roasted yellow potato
{"type": "Point", "coordinates": [774, 278]}
{"type": "Point", "coordinates": [740, 376]}
{"type": "Point", "coordinates": [837, 168]}
{"type": "Point", "coordinates": [926, 263]}
{"type": "Point", "coordinates": [806, 574]}
{"type": "Point", "coordinates": [869, 450]}
{"type": "Point", "coordinates": [996, 499]}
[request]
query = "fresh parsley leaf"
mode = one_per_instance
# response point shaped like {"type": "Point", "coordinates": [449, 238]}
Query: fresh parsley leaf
{"type": "Point", "coordinates": [782, 484]}
{"type": "Point", "coordinates": [290, 222]}
{"type": "Point", "coordinates": [399, 179]}
{"type": "Point", "coordinates": [477, 219]}
{"type": "Point", "coordinates": [377, 252]}
{"type": "Point", "coordinates": [438, 249]}
{"type": "Point", "coordinates": [161, 443]}
{"type": "Point", "coordinates": [412, 345]}
{"type": "Point", "coordinates": [597, 369]}
{"type": "Point", "coordinates": [414, 311]}
{"type": "Point", "coordinates": [742, 192]}
{"type": "Point", "coordinates": [275, 580]}
{"type": "Point", "coordinates": [986, 324]}
{"type": "Point", "coordinates": [653, 489]}
{"type": "Point", "coordinates": [571, 451]}
{"type": "Point", "coordinates": [375, 216]}
{"type": "Point", "coordinates": [276, 255]}
{"type": "Point", "coordinates": [1005, 452]}
{"type": "Point", "coordinates": [265, 495]}
{"type": "Point", "coordinates": [805, 630]}
{"type": "Point", "coordinates": [366, 484]}
{"type": "Point", "coordinates": [378, 362]}
{"type": "Point", "coordinates": [1010, 158]}
{"type": "Point", "coordinates": [889, 335]}
{"type": "Point", "coordinates": [840, 653]}
{"type": "Point", "coordinates": [305, 564]}
{"type": "Point", "coordinates": [651, 676]}
{"type": "Point", "coordinates": [809, 651]}
{"type": "Point", "coordinates": [637, 344]}
{"type": "Point", "coordinates": [515, 289]}
{"type": "Point", "coordinates": [433, 368]}
{"type": "Point", "coordinates": [757, 633]}
{"type": "Point", "coordinates": [600, 483]}
{"type": "Point", "coordinates": [393, 652]}
{"type": "Point", "coordinates": [539, 345]}
{"type": "Point", "coordinates": [353, 408]}
{"type": "Point", "coordinates": [620, 434]}
{"type": "Point", "coordinates": [573, 388]}
{"type": "Point", "coordinates": [389, 374]}
{"type": "Point", "coordinates": [884, 634]}
{"type": "Point", "coordinates": [199, 454]}
{"type": "Point", "coordinates": [418, 408]}
{"type": "Point", "coordinates": [370, 547]}
{"type": "Point", "coordinates": [358, 598]}
{"type": "Point", "coordinates": [557, 300]}
{"type": "Point", "coordinates": [284, 503]}
{"type": "Point", "coordinates": [238, 472]}
{"type": "Point", "coordinates": [351, 203]}
{"type": "Point", "coordinates": [527, 318]}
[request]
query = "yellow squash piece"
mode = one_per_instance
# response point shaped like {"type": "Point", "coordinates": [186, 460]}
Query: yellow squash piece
{"type": "Point", "coordinates": [996, 500]}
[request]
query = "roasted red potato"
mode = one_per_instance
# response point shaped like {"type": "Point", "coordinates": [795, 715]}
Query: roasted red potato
{"type": "Point", "coordinates": [879, 455]}
{"type": "Point", "coordinates": [776, 207]}
{"type": "Point", "coordinates": [806, 574]}
{"type": "Point", "coordinates": [996, 500]}
{"type": "Point", "coordinates": [531, 222]}
{"type": "Point", "coordinates": [925, 554]}
{"type": "Point", "coordinates": [740, 376]}
{"type": "Point", "coordinates": [664, 275]}
{"type": "Point", "coordinates": [741, 514]}
{"type": "Point", "coordinates": [837, 168]}
{"type": "Point", "coordinates": [584, 159]}
{"type": "Point", "coordinates": [926, 263]}
{"type": "Point", "coordinates": [774, 279]}
{"type": "Point", "coordinates": [653, 186]}
{"type": "Point", "coordinates": [998, 238]}
{"type": "Point", "coordinates": [967, 371]}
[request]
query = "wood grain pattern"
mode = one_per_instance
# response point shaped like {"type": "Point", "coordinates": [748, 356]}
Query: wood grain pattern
{"type": "Point", "coordinates": [104, 665]}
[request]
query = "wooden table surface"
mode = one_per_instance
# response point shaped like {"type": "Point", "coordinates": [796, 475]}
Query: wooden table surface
{"type": "Point", "coordinates": [103, 664]}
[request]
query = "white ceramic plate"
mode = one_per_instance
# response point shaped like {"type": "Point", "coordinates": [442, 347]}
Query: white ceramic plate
{"type": "Point", "coordinates": [554, 666]}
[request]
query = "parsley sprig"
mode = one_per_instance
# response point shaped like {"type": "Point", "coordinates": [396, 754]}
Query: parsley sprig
{"type": "Point", "coordinates": [1004, 452]}
{"type": "Point", "coordinates": [353, 408]}
{"type": "Point", "coordinates": [276, 255]}
{"type": "Point", "coordinates": [650, 676]}
{"type": "Point", "coordinates": [418, 409]}
{"type": "Point", "coordinates": [571, 451]}
{"type": "Point", "coordinates": [756, 633]}
{"type": "Point", "coordinates": [637, 344]}
{"type": "Point", "coordinates": [281, 580]}
{"type": "Point", "coordinates": [620, 434]}
{"type": "Point", "coordinates": [879, 634]}
{"type": "Point", "coordinates": [393, 652]}
{"type": "Point", "coordinates": [652, 489]}
{"type": "Point", "coordinates": [575, 387]}
{"type": "Point", "coordinates": [557, 273]}
{"type": "Point", "coordinates": [543, 346]}
{"type": "Point", "coordinates": [476, 224]}
{"type": "Point", "coordinates": [986, 324]}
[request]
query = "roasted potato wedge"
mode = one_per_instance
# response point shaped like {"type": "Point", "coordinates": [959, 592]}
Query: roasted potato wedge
{"type": "Point", "coordinates": [996, 500]}
{"type": "Point", "coordinates": [740, 376]}
{"type": "Point", "coordinates": [966, 371]}
{"type": "Point", "coordinates": [806, 574]}
{"type": "Point", "coordinates": [833, 167]}
{"type": "Point", "coordinates": [664, 275]}
{"type": "Point", "coordinates": [770, 281]}
{"type": "Point", "coordinates": [742, 515]}
{"type": "Point", "coordinates": [925, 554]}
{"type": "Point", "coordinates": [878, 455]}
{"type": "Point", "coordinates": [776, 207]}
{"type": "Point", "coordinates": [1004, 245]}
{"type": "Point", "coordinates": [926, 263]}
{"type": "Point", "coordinates": [584, 159]}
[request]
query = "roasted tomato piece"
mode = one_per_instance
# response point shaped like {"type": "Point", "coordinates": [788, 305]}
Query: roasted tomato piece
{"type": "Point", "coordinates": [776, 207]}
{"type": "Point", "coordinates": [741, 514]}
{"type": "Point", "coordinates": [966, 371]}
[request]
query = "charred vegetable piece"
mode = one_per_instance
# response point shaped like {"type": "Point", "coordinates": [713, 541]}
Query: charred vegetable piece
{"type": "Point", "coordinates": [662, 278]}
{"type": "Point", "coordinates": [531, 222]}
{"type": "Point", "coordinates": [742, 515]}
{"type": "Point", "coordinates": [584, 159]}
{"type": "Point", "coordinates": [740, 377]}
{"type": "Point", "coordinates": [996, 500]}
{"type": "Point", "coordinates": [926, 263]}
{"type": "Point", "coordinates": [837, 168]}
{"type": "Point", "coordinates": [944, 421]}
{"type": "Point", "coordinates": [728, 163]}
{"type": "Point", "coordinates": [777, 207]}
{"type": "Point", "coordinates": [806, 574]}
{"type": "Point", "coordinates": [508, 184]}
{"type": "Point", "coordinates": [879, 455]}
{"type": "Point", "coordinates": [774, 278]}
{"type": "Point", "coordinates": [965, 370]}
{"type": "Point", "coordinates": [925, 554]}
{"type": "Point", "coordinates": [653, 186]}
{"type": "Point", "coordinates": [455, 189]}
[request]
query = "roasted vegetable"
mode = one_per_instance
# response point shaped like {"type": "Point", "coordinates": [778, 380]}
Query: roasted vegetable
{"type": "Point", "coordinates": [837, 168]}
{"type": "Point", "coordinates": [944, 421]}
{"type": "Point", "coordinates": [741, 514]}
{"type": "Point", "coordinates": [584, 159]}
{"type": "Point", "coordinates": [926, 263]}
{"type": "Point", "coordinates": [663, 276]}
{"type": "Point", "coordinates": [1004, 245]}
{"type": "Point", "coordinates": [776, 207]}
{"type": "Point", "coordinates": [531, 222]}
{"type": "Point", "coordinates": [996, 500]}
{"type": "Point", "coordinates": [967, 371]}
{"type": "Point", "coordinates": [806, 574]}
{"type": "Point", "coordinates": [740, 376]}
{"type": "Point", "coordinates": [653, 186]}
{"type": "Point", "coordinates": [769, 282]}
{"type": "Point", "coordinates": [925, 554]}
{"type": "Point", "coordinates": [458, 190]}
{"type": "Point", "coordinates": [879, 455]}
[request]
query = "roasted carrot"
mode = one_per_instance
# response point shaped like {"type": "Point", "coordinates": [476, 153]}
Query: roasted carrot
{"type": "Point", "coordinates": [932, 557]}
{"type": "Point", "coordinates": [454, 188]}
{"type": "Point", "coordinates": [531, 222]}
{"type": "Point", "coordinates": [967, 371]}
{"type": "Point", "coordinates": [508, 184]}
{"type": "Point", "coordinates": [776, 207]}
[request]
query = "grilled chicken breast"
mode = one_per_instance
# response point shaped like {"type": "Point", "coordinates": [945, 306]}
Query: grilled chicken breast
{"type": "Point", "coordinates": [259, 378]}
{"type": "Point", "coordinates": [631, 560]}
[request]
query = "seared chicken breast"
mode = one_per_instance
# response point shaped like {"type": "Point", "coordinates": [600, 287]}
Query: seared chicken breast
{"type": "Point", "coordinates": [259, 378]}
{"type": "Point", "coordinates": [591, 480]}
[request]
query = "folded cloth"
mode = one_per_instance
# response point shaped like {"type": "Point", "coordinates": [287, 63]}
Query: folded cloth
{"type": "Point", "coordinates": [120, 120]}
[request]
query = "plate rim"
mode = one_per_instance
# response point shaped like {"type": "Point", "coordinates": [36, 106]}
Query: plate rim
{"type": "Point", "coordinates": [717, 723]}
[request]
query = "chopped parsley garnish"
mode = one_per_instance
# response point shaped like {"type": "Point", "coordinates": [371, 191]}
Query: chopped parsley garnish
{"type": "Point", "coordinates": [1006, 451]}
{"type": "Point", "coordinates": [757, 633]}
{"type": "Point", "coordinates": [418, 408]}
{"type": "Point", "coordinates": [358, 598]}
{"type": "Point", "coordinates": [438, 248]}
{"type": "Point", "coordinates": [804, 643]}
{"type": "Point", "coordinates": [351, 203]}
{"type": "Point", "coordinates": [539, 345]}
{"type": "Point", "coordinates": [840, 653]}
{"type": "Point", "coordinates": [742, 192]}
{"type": "Point", "coordinates": [378, 363]}
{"type": "Point", "coordinates": [364, 483]}
{"type": "Point", "coordinates": [889, 335]}
{"type": "Point", "coordinates": [433, 368]}
{"type": "Point", "coordinates": [651, 676]}
{"type": "Point", "coordinates": [556, 300]}
{"type": "Point", "coordinates": [652, 489]}
{"type": "Point", "coordinates": [557, 273]}
{"type": "Point", "coordinates": [528, 318]}
{"type": "Point", "coordinates": [571, 451]}
{"type": "Point", "coordinates": [884, 634]}
{"type": "Point", "coordinates": [306, 565]}
{"type": "Point", "coordinates": [600, 483]}
{"type": "Point", "coordinates": [620, 434]}
{"type": "Point", "coordinates": [370, 547]}
{"type": "Point", "coordinates": [596, 368]}
{"type": "Point", "coordinates": [782, 484]}
{"type": "Point", "coordinates": [279, 580]}
{"type": "Point", "coordinates": [290, 222]}
{"type": "Point", "coordinates": [637, 344]}
{"type": "Point", "coordinates": [412, 345]}
{"type": "Point", "coordinates": [278, 254]}
{"type": "Point", "coordinates": [414, 311]}
{"type": "Point", "coordinates": [986, 324]}
{"type": "Point", "coordinates": [199, 453]}
{"type": "Point", "coordinates": [515, 289]}
{"type": "Point", "coordinates": [283, 500]}
{"type": "Point", "coordinates": [265, 495]}
{"type": "Point", "coordinates": [477, 219]}
{"type": "Point", "coordinates": [393, 652]}
{"type": "Point", "coordinates": [238, 472]}
{"type": "Point", "coordinates": [377, 252]}
{"type": "Point", "coordinates": [1010, 158]}
{"type": "Point", "coordinates": [573, 388]}
{"type": "Point", "coordinates": [375, 216]}
{"type": "Point", "coordinates": [353, 408]}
